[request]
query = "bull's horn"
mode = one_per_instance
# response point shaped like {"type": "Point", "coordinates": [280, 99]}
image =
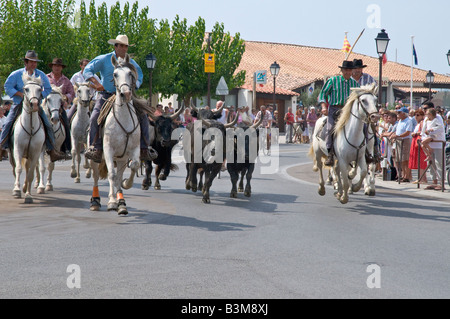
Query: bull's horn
{"type": "Point", "coordinates": [177, 113]}
{"type": "Point", "coordinates": [219, 111]}
{"type": "Point", "coordinates": [193, 106]}
{"type": "Point", "coordinates": [257, 123]}
{"type": "Point", "coordinates": [206, 123]}
{"type": "Point", "coordinates": [233, 122]}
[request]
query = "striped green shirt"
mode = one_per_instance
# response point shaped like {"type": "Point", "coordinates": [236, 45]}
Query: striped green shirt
{"type": "Point", "coordinates": [337, 90]}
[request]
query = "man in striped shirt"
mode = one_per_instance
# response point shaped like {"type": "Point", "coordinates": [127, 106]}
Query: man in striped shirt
{"type": "Point", "coordinates": [336, 92]}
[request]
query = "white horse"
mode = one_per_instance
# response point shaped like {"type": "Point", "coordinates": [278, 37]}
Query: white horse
{"type": "Point", "coordinates": [28, 137]}
{"type": "Point", "coordinates": [52, 107]}
{"type": "Point", "coordinates": [79, 129]}
{"type": "Point", "coordinates": [318, 150]}
{"type": "Point", "coordinates": [350, 141]}
{"type": "Point", "coordinates": [121, 138]}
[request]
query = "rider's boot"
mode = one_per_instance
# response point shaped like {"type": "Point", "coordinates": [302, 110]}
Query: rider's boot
{"type": "Point", "coordinates": [330, 159]}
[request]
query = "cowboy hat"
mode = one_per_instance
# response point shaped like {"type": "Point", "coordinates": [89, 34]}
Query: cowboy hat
{"type": "Point", "coordinates": [120, 39]}
{"type": "Point", "coordinates": [31, 55]}
{"type": "Point", "coordinates": [358, 63]}
{"type": "Point", "coordinates": [57, 61]}
{"type": "Point", "coordinates": [347, 65]}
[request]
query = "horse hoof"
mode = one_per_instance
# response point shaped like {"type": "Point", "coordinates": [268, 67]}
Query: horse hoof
{"type": "Point", "coordinates": [17, 194]}
{"type": "Point", "coordinates": [162, 177]}
{"type": "Point", "coordinates": [370, 192]}
{"type": "Point", "coordinates": [247, 194]}
{"type": "Point", "coordinates": [95, 204]}
{"type": "Point", "coordinates": [144, 187]}
{"type": "Point", "coordinates": [88, 175]}
{"type": "Point", "coordinates": [233, 194]}
{"type": "Point", "coordinates": [28, 200]}
{"type": "Point", "coordinates": [343, 200]}
{"type": "Point", "coordinates": [321, 191]}
{"type": "Point", "coordinates": [49, 188]}
{"type": "Point", "coordinates": [240, 190]}
{"type": "Point", "coordinates": [206, 200]}
{"type": "Point", "coordinates": [73, 174]}
{"type": "Point", "coordinates": [122, 210]}
{"type": "Point", "coordinates": [77, 180]}
{"type": "Point", "coordinates": [112, 206]}
{"type": "Point", "coordinates": [157, 187]}
{"type": "Point", "coordinates": [41, 190]}
{"type": "Point", "coordinates": [94, 208]}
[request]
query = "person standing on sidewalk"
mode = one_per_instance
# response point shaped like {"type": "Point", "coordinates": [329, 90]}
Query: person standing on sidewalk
{"type": "Point", "coordinates": [289, 119]}
{"type": "Point", "coordinates": [311, 119]}
{"type": "Point", "coordinates": [336, 92]}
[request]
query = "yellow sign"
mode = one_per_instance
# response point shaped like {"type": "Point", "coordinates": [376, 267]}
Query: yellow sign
{"type": "Point", "coordinates": [209, 63]}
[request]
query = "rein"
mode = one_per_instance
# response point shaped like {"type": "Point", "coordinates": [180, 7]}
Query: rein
{"type": "Point", "coordinates": [367, 121]}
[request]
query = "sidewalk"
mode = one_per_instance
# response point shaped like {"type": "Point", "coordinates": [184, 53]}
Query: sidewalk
{"type": "Point", "coordinates": [307, 174]}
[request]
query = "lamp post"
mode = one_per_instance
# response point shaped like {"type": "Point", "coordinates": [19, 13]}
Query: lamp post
{"type": "Point", "coordinates": [274, 69]}
{"type": "Point", "coordinates": [150, 60]}
{"type": "Point", "coordinates": [382, 41]}
{"type": "Point", "coordinates": [448, 57]}
{"type": "Point", "coordinates": [430, 79]}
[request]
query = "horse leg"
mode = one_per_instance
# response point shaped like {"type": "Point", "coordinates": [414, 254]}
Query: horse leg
{"type": "Point", "coordinates": [363, 174]}
{"type": "Point", "coordinates": [73, 172]}
{"type": "Point", "coordinates": [112, 203]}
{"type": "Point", "coordinates": [51, 167]}
{"type": "Point", "coordinates": [40, 175]}
{"type": "Point", "coordinates": [95, 199]}
{"type": "Point", "coordinates": [319, 166]}
{"type": "Point", "coordinates": [17, 193]}
{"type": "Point", "coordinates": [86, 165]}
{"type": "Point", "coordinates": [121, 205]}
{"type": "Point", "coordinates": [344, 183]}
{"type": "Point", "coordinates": [30, 167]}
{"type": "Point", "coordinates": [134, 167]}
{"type": "Point", "coordinates": [369, 188]}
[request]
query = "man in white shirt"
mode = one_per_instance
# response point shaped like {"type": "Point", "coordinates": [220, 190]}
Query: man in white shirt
{"type": "Point", "coordinates": [436, 145]}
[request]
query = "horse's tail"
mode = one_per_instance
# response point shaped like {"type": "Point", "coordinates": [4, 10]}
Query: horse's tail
{"type": "Point", "coordinates": [173, 167]}
{"type": "Point", "coordinates": [103, 170]}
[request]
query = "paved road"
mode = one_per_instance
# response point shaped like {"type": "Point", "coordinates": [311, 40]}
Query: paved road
{"type": "Point", "coordinates": [285, 241]}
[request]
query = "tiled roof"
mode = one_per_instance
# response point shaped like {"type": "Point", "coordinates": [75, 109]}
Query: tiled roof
{"type": "Point", "coordinates": [300, 65]}
{"type": "Point", "coordinates": [268, 88]}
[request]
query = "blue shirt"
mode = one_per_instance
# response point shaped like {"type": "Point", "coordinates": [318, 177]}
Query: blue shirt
{"type": "Point", "coordinates": [103, 64]}
{"type": "Point", "coordinates": [14, 84]}
{"type": "Point", "coordinates": [403, 126]}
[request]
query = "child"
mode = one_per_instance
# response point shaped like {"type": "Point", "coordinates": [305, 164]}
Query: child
{"type": "Point", "coordinates": [431, 125]}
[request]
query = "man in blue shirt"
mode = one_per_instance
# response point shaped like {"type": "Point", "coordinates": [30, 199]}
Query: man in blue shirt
{"type": "Point", "coordinates": [14, 88]}
{"type": "Point", "coordinates": [106, 89]}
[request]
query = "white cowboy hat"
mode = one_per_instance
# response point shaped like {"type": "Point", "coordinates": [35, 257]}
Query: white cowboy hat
{"type": "Point", "coordinates": [121, 39]}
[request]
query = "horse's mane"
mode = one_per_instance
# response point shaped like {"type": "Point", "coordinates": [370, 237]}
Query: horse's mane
{"type": "Point", "coordinates": [347, 109]}
{"type": "Point", "coordinates": [31, 78]}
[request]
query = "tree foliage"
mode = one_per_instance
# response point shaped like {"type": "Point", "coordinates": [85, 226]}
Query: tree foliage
{"type": "Point", "coordinates": [55, 28]}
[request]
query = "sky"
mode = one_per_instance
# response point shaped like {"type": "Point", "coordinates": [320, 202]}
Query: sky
{"type": "Point", "coordinates": [324, 23]}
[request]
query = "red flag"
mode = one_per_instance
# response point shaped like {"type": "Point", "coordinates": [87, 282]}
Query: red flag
{"type": "Point", "coordinates": [384, 59]}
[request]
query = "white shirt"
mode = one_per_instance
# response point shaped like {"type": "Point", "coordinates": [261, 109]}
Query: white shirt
{"type": "Point", "coordinates": [439, 131]}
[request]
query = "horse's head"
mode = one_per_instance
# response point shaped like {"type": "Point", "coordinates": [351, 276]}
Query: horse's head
{"type": "Point", "coordinates": [125, 77]}
{"type": "Point", "coordinates": [53, 103]}
{"type": "Point", "coordinates": [83, 94]}
{"type": "Point", "coordinates": [368, 101]}
{"type": "Point", "coordinates": [32, 92]}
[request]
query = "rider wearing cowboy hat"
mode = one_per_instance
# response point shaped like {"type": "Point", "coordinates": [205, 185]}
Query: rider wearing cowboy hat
{"type": "Point", "coordinates": [336, 92]}
{"type": "Point", "coordinates": [106, 88]}
{"type": "Point", "coordinates": [58, 79]}
{"type": "Point", "coordinates": [14, 88]}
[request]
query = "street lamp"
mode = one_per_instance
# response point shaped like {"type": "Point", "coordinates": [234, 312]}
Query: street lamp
{"type": "Point", "coordinates": [274, 69]}
{"type": "Point", "coordinates": [430, 79]}
{"type": "Point", "coordinates": [448, 57]}
{"type": "Point", "coordinates": [150, 59]}
{"type": "Point", "coordinates": [382, 41]}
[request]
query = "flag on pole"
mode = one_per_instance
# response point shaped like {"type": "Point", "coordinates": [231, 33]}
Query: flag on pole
{"type": "Point", "coordinates": [384, 58]}
{"type": "Point", "coordinates": [416, 61]}
{"type": "Point", "coordinates": [346, 47]}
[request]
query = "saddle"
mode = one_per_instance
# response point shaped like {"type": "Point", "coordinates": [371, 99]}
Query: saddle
{"type": "Point", "coordinates": [106, 108]}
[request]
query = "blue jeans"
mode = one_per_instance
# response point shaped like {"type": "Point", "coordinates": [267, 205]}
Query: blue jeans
{"type": "Point", "coordinates": [10, 119]}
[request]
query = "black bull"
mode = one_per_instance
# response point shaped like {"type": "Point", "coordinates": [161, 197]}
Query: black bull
{"type": "Point", "coordinates": [163, 144]}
